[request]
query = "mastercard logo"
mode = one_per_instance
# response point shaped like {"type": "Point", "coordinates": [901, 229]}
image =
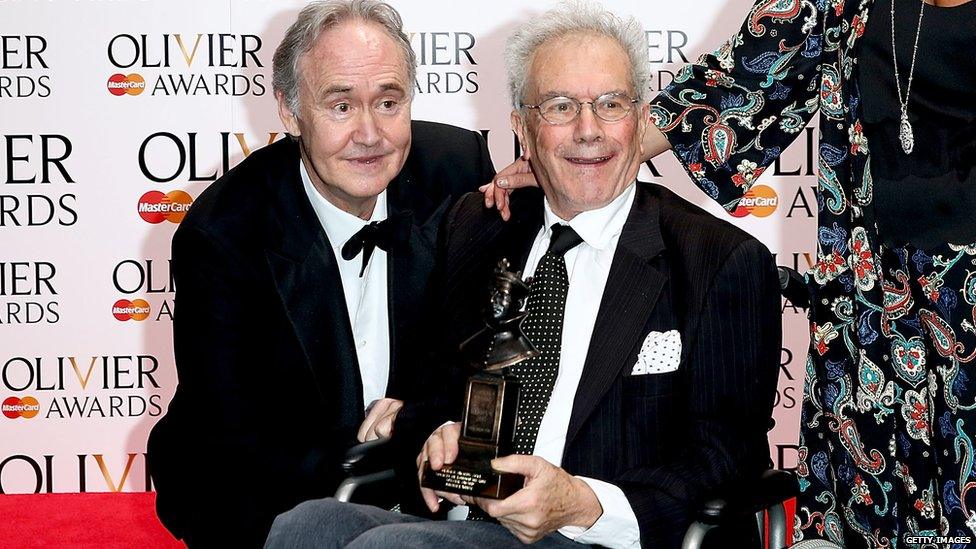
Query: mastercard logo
{"type": "Point", "coordinates": [760, 201]}
{"type": "Point", "coordinates": [137, 309]}
{"type": "Point", "coordinates": [121, 84]}
{"type": "Point", "coordinates": [155, 207]}
{"type": "Point", "coordinates": [26, 407]}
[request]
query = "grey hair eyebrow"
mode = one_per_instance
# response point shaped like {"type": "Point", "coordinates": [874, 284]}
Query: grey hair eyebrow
{"type": "Point", "coordinates": [575, 18]}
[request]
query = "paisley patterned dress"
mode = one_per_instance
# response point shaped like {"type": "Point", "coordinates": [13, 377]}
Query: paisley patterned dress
{"type": "Point", "coordinates": [889, 412]}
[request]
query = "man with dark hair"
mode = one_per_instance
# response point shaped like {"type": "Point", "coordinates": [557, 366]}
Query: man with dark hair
{"type": "Point", "coordinates": [654, 320]}
{"type": "Point", "coordinates": [301, 276]}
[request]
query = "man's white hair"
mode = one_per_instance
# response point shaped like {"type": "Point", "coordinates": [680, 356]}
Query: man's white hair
{"type": "Point", "coordinates": [576, 17]}
{"type": "Point", "coordinates": [321, 15]}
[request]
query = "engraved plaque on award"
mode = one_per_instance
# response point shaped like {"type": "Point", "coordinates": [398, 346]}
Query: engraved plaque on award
{"type": "Point", "coordinates": [491, 398]}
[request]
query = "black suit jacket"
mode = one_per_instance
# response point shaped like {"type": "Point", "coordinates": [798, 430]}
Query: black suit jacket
{"type": "Point", "coordinates": [269, 394]}
{"type": "Point", "coordinates": [667, 440]}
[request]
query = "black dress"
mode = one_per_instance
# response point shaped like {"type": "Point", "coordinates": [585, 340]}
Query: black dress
{"type": "Point", "coordinates": [886, 436]}
{"type": "Point", "coordinates": [924, 205]}
{"type": "Point", "coordinates": [926, 198]}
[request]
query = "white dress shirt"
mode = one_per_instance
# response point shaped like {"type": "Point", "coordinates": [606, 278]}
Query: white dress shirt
{"type": "Point", "coordinates": [588, 266]}
{"type": "Point", "coordinates": [366, 296]}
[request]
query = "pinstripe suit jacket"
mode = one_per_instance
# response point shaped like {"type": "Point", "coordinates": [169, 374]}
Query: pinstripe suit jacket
{"type": "Point", "coordinates": [667, 440]}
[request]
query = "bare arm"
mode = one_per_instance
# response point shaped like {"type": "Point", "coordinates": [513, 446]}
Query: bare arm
{"type": "Point", "coordinates": [654, 143]}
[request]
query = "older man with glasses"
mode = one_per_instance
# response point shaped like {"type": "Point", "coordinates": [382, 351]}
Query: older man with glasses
{"type": "Point", "coordinates": [652, 317]}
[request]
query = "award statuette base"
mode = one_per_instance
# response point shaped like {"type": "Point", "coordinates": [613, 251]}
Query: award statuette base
{"type": "Point", "coordinates": [490, 409]}
{"type": "Point", "coordinates": [471, 474]}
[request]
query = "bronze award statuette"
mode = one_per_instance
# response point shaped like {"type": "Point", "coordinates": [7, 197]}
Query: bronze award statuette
{"type": "Point", "coordinates": [492, 396]}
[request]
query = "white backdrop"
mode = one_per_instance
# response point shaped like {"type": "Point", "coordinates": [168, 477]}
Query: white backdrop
{"type": "Point", "coordinates": [85, 369]}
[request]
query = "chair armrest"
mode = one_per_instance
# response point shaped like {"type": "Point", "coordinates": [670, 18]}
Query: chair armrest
{"type": "Point", "coordinates": [771, 488]}
{"type": "Point", "coordinates": [793, 287]}
{"type": "Point", "coordinates": [368, 457]}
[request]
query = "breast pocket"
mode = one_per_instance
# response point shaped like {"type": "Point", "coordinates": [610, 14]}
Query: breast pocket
{"type": "Point", "coordinates": [649, 404]}
{"type": "Point", "coordinates": [649, 385]}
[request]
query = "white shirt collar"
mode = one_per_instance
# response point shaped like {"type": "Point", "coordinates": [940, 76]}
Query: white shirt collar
{"type": "Point", "coordinates": [599, 227]}
{"type": "Point", "coordinates": [339, 225]}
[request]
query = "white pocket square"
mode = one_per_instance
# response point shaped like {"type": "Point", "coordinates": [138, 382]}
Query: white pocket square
{"type": "Point", "coordinates": [660, 353]}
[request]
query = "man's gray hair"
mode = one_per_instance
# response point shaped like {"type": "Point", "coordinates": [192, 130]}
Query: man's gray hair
{"type": "Point", "coordinates": [577, 17]}
{"type": "Point", "coordinates": [321, 15]}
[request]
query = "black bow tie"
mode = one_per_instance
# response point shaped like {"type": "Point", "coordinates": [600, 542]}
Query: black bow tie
{"type": "Point", "coordinates": [376, 234]}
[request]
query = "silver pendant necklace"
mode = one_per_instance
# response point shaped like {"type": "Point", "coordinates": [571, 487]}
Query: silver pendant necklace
{"type": "Point", "coordinates": [905, 133]}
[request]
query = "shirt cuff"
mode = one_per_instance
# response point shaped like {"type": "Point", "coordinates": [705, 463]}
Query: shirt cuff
{"type": "Point", "coordinates": [616, 528]}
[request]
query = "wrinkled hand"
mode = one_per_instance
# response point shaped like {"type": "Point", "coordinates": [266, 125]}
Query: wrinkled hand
{"type": "Point", "coordinates": [516, 175]}
{"type": "Point", "coordinates": [441, 448]}
{"type": "Point", "coordinates": [379, 419]}
{"type": "Point", "coordinates": [550, 499]}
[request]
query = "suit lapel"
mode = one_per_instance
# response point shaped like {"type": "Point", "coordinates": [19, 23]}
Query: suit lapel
{"type": "Point", "coordinates": [497, 239]}
{"type": "Point", "coordinates": [306, 276]}
{"type": "Point", "coordinates": [632, 289]}
{"type": "Point", "coordinates": [411, 260]}
{"type": "Point", "coordinates": [518, 234]}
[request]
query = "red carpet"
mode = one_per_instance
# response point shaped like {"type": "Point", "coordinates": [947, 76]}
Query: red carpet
{"type": "Point", "coordinates": [107, 520]}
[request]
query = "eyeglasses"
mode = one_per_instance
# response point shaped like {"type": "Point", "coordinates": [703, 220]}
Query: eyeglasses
{"type": "Point", "coordinates": [609, 107]}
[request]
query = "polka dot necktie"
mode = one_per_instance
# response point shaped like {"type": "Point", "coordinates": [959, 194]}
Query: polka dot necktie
{"type": "Point", "coordinates": [544, 327]}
